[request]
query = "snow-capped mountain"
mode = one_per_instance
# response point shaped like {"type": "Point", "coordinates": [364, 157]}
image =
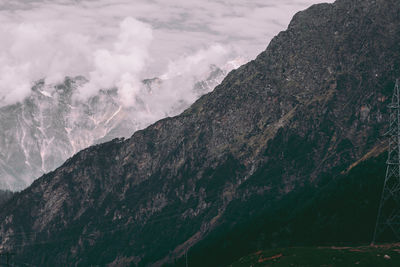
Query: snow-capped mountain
{"type": "Point", "coordinates": [51, 125]}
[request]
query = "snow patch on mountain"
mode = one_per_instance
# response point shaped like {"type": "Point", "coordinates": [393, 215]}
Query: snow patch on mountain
{"type": "Point", "coordinates": [49, 126]}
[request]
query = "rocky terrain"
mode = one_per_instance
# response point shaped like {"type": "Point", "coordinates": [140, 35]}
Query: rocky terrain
{"type": "Point", "coordinates": [51, 125]}
{"type": "Point", "coordinates": [4, 196]}
{"type": "Point", "coordinates": [272, 154]}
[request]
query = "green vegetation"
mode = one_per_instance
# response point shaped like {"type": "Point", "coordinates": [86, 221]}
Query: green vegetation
{"type": "Point", "coordinates": [387, 255]}
{"type": "Point", "coordinates": [340, 210]}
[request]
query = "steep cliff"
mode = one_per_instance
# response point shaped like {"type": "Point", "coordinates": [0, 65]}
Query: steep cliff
{"type": "Point", "coordinates": [52, 124]}
{"type": "Point", "coordinates": [4, 196]}
{"type": "Point", "coordinates": [305, 111]}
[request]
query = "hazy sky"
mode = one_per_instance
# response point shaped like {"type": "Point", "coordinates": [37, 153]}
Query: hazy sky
{"type": "Point", "coordinates": [120, 42]}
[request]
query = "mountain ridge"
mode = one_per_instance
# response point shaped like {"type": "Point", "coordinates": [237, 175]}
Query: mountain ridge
{"type": "Point", "coordinates": [308, 107]}
{"type": "Point", "coordinates": [52, 124]}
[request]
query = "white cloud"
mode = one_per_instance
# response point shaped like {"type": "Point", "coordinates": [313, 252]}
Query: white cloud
{"type": "Point", "coordinates": [52, 39]}
{"type": "Point", "coordinates": [198, 63]}
{"type": "Point", "coordinates": [175, 91]}
{"type": "Point", "coordinates": [33, 51]}
{"type": "Point", "coordinates": [117, 43]}
{"type": "Point", "coordinates": [122, 65]}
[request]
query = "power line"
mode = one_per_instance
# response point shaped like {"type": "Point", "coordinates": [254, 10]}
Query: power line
{"type": "Point", "coordinates": [388, 219]}
{"type": "Point", "coordinates": [112, 228]}
{"type": "Point", "coordinates": [108, 229]}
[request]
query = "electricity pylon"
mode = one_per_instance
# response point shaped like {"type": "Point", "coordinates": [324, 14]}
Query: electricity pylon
{"type": "Point", "coordinates": [388, 220]}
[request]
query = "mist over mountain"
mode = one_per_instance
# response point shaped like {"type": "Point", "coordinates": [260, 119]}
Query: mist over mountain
{"type": "Point", "coordinates": [119, 43]}
{"type": "Point", "coordinates": [286, 150]}
{"type": "Point", "coordinates": [112, 45]}
{"type": "Point", "coordinates": [52, 124]}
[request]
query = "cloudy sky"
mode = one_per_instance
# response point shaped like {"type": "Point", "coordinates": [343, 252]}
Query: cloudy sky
{"type": "Point", "coordinates": [120, 42]}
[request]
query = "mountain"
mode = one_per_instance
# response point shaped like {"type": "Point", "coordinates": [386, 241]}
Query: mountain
{"type": "Point", "coordinates": [286, 149]}
{"type": "Point", "coordinates": [48, 127]}
{"type": "Point", "coordinates": [4, 196]}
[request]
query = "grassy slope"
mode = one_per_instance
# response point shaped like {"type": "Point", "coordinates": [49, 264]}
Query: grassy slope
{"type": "Point", "coordinates": [324, 256]}
{"type": "Point", "coordinates": [341, 211]}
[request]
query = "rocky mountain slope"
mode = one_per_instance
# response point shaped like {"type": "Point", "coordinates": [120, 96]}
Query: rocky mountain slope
{"type": "Point", "coordinates": [311, 107]}
{"type": "Point", "coordinates": [4, 196]}
{"type": "Point", "coordinates": [51, 125]}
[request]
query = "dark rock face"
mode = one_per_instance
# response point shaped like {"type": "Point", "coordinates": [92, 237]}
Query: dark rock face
{"type": "Point", "coordinates": [4, 196]}
{"type": "Point", "coordinates": [49, 126]}
{"type": "Point", "coordinates": [312, 104]}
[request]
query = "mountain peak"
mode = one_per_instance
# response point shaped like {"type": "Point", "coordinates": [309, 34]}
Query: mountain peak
{"type": "Point", "coordinates": [277, 128]}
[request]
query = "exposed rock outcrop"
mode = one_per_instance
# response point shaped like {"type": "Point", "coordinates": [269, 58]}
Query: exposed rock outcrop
{"type": "Point", "coordinates": [313, 103]}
